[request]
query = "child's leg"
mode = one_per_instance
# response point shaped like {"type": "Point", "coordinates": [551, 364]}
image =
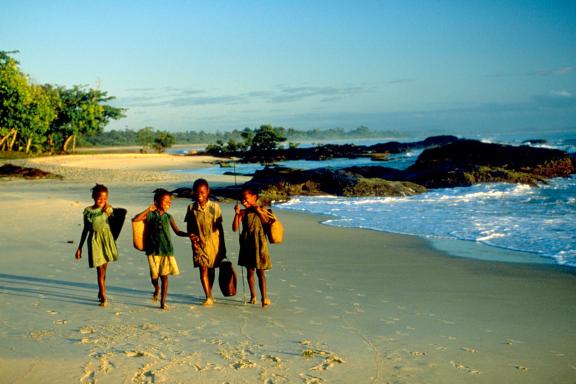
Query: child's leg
{"type": "Point", "coordinates": [250, 277]}
{"type": "Point", "coordinates": [156, 293]}
{"type": "Point", "coordinates": [101, 274]}
{"type": "Point", "coordinates": [263, 285]}
{"type": "Point", "coordinates": [164, 291]}
{"type": "Point", "coordinates": [211, 276]}
{"type": "Point", "coordinates": [206, 285]}
{"type": "Point", "coordinates": [154, 277]}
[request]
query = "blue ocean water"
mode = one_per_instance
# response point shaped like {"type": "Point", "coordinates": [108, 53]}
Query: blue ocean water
{"type": "Point", "coordinates": [538, 220]}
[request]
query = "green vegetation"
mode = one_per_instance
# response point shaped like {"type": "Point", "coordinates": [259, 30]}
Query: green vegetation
{"type": "Point", "coordinates": [47, 118]}
{"type": "Point", "coordinates": [237, 140]}
{"type": "Point", "coordinates": [55, 119]}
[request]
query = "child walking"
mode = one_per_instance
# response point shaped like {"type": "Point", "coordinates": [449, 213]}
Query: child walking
{"type": "Point", "coordinates": [254, 253]}
{"type": "Point", "coordinates": [158, 243]}
{"type": "Point", "coordinates": [204, 224]}
{"type": "Point", "coordinates": [101, 245]}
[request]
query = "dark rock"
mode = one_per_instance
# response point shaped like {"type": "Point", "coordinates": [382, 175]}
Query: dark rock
{"type": "Point", "coordinates": [279, 183]}
{"type": "Point", "coordinates": [378, 152]}
{"type": "Point", "coordinates": [381, 187]}
{"type": "Point", "coordinates": [11, 170]}
{"type": "Point", "coordinates": [468, 162]}
{"type": "Point", "coordinates": [458, 163]}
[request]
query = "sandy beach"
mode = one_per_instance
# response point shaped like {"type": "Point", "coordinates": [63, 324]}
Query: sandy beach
{"type": "Point", "coordinates": [348, 305]}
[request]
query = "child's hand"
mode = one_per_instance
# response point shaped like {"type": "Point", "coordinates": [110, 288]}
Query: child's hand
{"type": "Point", "coordinates": [152, 207]}
{"type": "Point", "coordinates": [237, 209]}
{"type": "Point", "coordinates": [78, 254]}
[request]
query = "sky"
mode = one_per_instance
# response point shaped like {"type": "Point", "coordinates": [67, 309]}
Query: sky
{"type": "Point", "coordinates": [433, 67]}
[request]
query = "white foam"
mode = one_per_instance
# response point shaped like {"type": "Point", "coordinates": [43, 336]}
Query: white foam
{"type": "Point", "coordinates": [517, 217]}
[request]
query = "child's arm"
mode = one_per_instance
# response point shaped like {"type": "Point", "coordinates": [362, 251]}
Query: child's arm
{"type": "Point", "coordinates": [142, 215]}
{"type": "Point", "coordinates": [263, 214]}
{"type": "Point", "coordinates": [177, 230]}
{"type": "Point", "coordinates": [237, 217]}
{"type": "Point", "coordinates": [78, 253]}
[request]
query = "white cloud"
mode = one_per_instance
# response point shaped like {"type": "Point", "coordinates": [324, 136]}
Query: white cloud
{"type": "Point", "coordinates": [562, 93]}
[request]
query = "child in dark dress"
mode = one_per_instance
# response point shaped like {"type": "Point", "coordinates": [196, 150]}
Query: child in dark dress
{"type": "Point", "coordinates": [254, 252]}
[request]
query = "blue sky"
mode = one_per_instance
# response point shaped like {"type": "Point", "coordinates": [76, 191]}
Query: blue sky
{"type": "Point", "coordinates": [461, 67]}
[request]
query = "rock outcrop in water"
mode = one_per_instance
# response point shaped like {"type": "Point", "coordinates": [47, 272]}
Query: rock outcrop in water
{"type": "Point", "coordinates": [279, 183]}
{"type": "Point", "coordinates": [345, 151]}
{"type": "Point", "coordinates": [468, 162]}
{"type": "Point", "coordinates": [456, 164]}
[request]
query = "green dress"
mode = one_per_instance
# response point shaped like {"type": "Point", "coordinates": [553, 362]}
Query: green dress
{"type": "Point", "coordinates": [254, 251]}
{"type": "Point", "coordinates": [159, 240]}
{"type": "Point", "coordinates": [101, 246]}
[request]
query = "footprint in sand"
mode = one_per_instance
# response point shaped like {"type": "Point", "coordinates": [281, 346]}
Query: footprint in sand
{"type": "Point", "coordinates": [275, 359]}
{"type": "Point", "coordinates": [89, 374]}
{"type": "Point", "coordinates": [309, 379]}
{"type": "Point", "coordinates": [60, 322]}
{"type": "Point", "coordinates": [51, 312]}
{"type": "Point", "coordinates": [136, 354]}
{"type": "Point", "coordinates": [85, 330]}
{"type": "Point", "coordinates": [328, 363]}
{"type": "Point", "coordinates": [88, 377]}
{"type": "Point", "coordinates": [461, 366]}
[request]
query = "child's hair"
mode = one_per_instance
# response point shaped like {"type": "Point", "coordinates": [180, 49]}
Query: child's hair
{"type": "Point", "coordinates": [250, 189]}
{"type": "Point", "coordinates": [159, 194]}
{"type": "Point", "coordinates": [97, 189]}
{"type": "Point", "coordinates": [199, 183]}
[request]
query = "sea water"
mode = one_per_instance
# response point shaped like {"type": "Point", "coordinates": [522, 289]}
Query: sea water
{"type": "Point", "coordinates": [539, 221]}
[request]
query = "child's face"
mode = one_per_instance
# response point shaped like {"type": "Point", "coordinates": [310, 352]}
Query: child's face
{"type": "Point", "coordinates": [248, 199]}
{"type": "Point", "coordinates": [201, 194]}
{"type": "Point", "coordinates": [101, 199]}
{"type": "Point", "coordinates": [164, 203]}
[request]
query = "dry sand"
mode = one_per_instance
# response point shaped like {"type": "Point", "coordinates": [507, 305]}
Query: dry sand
{"type": "Point", "coordinates": [348, 305]}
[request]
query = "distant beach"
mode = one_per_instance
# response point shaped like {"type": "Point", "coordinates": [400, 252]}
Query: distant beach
{"type": "Point", "coordinates": [348, 304]}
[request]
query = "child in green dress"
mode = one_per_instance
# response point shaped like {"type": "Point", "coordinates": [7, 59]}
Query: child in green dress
{"type": "Point", "coordinates": [101, 245]}
{"type": "Point", "coordinates": [254, 253]}
{"type": "Point", "coordinates": [158, 243]}
{"type": "Point", "coordinates": [204, 223]}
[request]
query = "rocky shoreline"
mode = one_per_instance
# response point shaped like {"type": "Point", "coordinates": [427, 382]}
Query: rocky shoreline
{"type": "Point", "coordinates": [445, 163]}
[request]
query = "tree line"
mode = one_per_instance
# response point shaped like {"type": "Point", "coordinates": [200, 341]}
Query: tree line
{"type": "Point", "coordinates": [236, 137]}
{"type": "Point", "coordinates": [47, 118]}
{"type": "Point", "coordinates": [55, 119]}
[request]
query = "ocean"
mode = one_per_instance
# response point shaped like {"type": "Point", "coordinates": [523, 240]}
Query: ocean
{"type": "Point", "coordinates": [497, 221]}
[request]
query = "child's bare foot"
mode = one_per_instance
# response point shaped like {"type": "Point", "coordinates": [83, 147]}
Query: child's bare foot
{"type": "Point", "coordinates": [164, 307]}
{"type": "Point", "coordinates": [156, 295]}
{"type": "Point", "coordinates": [266, 302]}
{"type": "Point", "coordinates": [252, 300]}
{"type": "Point", "coordinates": [103, 302]}
{"type": "Point", "coordinates": [208, 302]}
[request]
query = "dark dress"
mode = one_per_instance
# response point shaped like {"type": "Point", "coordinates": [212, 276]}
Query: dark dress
{"type": "Point", "coordinates": [254, 252]}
